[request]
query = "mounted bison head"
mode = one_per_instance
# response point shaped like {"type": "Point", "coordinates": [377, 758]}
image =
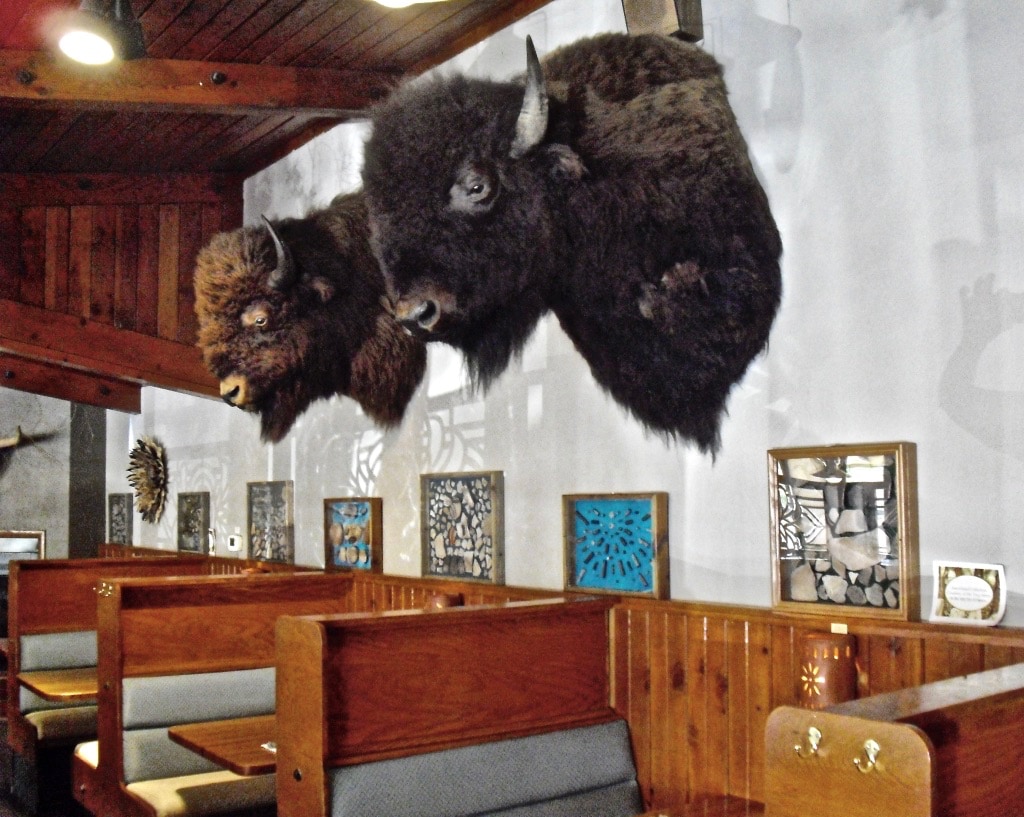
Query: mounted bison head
{"type": "Point", "coordinates": [614, 189]}
{"type": "Point", "coordinates": [293, 312]}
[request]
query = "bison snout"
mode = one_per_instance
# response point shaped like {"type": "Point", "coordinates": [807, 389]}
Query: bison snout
{"type": "Point", "coordinates": [417, 315]}
{"type": "Point", "coordinates": [234, 391]}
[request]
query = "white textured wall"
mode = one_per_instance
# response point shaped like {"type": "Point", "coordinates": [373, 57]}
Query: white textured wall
{"type": "Point", "coordinates": [890, 141]}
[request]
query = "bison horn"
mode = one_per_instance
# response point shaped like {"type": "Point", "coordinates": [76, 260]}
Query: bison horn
{"type": "Point", "coordinates": [533, 117]}
{"type": "Point", "coordinates": [283, 274]}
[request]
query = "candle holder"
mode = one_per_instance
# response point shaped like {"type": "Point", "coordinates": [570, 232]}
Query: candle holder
{"type": "Point", "coordinates": [828, 670]}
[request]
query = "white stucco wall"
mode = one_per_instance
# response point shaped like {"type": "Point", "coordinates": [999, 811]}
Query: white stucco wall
{"type": "Point", "coordinates": [889, 140]}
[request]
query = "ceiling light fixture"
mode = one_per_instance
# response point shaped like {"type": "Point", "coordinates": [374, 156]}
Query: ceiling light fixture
{"type": "Point", "coordinates": [101, 31]}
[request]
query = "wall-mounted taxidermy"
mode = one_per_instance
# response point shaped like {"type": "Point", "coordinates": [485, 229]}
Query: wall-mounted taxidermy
{"type": "Point", "coordinates": [294, 312]}
{"type": "Point", "coordinates": [615, 190]}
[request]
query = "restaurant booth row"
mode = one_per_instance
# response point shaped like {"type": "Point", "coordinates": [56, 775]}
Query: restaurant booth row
{"type": "Point", "coordinates": [193, 685]}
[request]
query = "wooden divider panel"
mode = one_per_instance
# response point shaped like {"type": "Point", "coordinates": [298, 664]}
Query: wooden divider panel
{"type": "Point", "coordinates": [358, 688]}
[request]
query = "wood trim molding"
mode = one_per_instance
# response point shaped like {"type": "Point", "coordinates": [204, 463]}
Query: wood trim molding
{"type": "Point", "coordinates": [101, 350]}
{"type": "Point", "coordinates": [70, 189]}
{"type": "Point", "coordinates": [38, 79]}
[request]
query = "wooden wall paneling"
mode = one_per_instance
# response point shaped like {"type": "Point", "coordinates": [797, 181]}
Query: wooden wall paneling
{"type": "Point", "coordinates": [126, 267]}
{"type": "Point", "coordinates": [58, 221]}
{"type": "Point", "coordinates": [633, 685]}
{"type": "Point", "coordinates": [10, 252]}
{"type": "Point", "coordinates": [148, 271]}
{"type": "Point", "coordinates": [750, 703]}
{"type": "Point", "coordinates": [79, 261]}
{"type": "Point", "coordinates": [32, 288]}
{"type": "Point", "coordinates": [191, 240]}
{"type": "Point", "coordinates": [168, 265]}
{"type": "Point", "coordinates": [104, 255]}
{"type": "Point", "coordinates": [69, 384]}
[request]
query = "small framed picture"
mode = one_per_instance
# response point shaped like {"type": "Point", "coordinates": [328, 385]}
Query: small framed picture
{"type": "Point", "coordinates": [270, 521]}
{"type": "Point", "coordinates": [352, 534]}
{"type": "Point", "coordinates": [617, 543]}
{"type": "Point", "coordinates": [119, 519]}
{"type": "Point", "coordinates": [194, 522]}
{"type": "Point", "coordinates": [844, 529]}
{"type": "Point", "coordinates": [969, 593]}
{"type": "Point", "coordinates": [463, 525]}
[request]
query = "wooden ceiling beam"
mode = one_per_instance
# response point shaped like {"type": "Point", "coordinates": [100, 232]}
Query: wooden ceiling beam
{"type": "Point", "coordinates": [64, 383]}
{"type": "Point", "coordinates": [39, 79]}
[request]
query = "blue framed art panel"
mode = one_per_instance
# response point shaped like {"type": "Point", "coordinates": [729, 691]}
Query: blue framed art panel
{"type": "Point", "coordinates": [617, 543]}
{"type": "Point", "coordinates": [353, 534]}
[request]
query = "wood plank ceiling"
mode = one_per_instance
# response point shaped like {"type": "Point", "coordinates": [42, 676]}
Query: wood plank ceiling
{"type": "Point", "coordinates": [112, 178]}
{"type": "Point", "coordinates": [290, 68]}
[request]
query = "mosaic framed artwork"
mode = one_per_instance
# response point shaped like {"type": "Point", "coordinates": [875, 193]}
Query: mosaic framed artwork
{"type": "Point", "coordinates": [463, 525]}
{"type": "Point", "coordinates": [353, 534]}
{"type": "Point", "coordinates": [270, 521]}
{"type": "Point", "coordinates": [844, 533]}
{"type": "Point", "coordinates": [194, 522]}
{"type": "Point", "coordinates": [119, 519]}
{"type": "Point", "coordinates": [617, 543]}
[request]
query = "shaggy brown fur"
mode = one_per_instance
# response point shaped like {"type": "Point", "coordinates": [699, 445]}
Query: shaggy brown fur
{"type": "Point", "coordinates": [276, 350]}
{"type": "Point", "coordinates": [634, 215]}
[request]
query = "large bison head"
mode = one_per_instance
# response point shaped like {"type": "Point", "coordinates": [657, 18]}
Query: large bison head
{"type": "Point", "coordinates": [612, 187]}
{"type": "Point", "coordinates": [460, 222]}
{"type": "Point", "coordinates": [294, 311]}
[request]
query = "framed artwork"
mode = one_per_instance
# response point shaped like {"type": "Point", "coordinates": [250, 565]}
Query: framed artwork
{"type": "Point", "coordinates": [352, 534]}
{"type": "Point", "coordinates": [119, 519]}
{"type": "Point", "coordinates": [617, 543]}
{"type": "Point", "coordinates": [463, 525]}
{"type": "Point", "coordinates": [969, 593]}
{"type": "Point", "coordinates": [17, 545]}
{"type": "Point", "coordinates": [194, 522]}
{"type": "Point", "coordinates": [271, 521]}
{"type": "Point", "coordinates": [844, 529]}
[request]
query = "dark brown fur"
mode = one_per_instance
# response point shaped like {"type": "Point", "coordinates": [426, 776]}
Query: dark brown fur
{"type": "Point", "coordinates": [326, 334]}
{"type": "Point", "coordinates": [637, 219]}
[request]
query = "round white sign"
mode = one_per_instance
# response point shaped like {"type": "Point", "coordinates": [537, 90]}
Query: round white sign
{"type": "Point", "coordinates": [969, 593]}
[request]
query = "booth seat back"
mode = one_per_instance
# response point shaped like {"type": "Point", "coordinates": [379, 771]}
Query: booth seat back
{"type": "Point", "coordinates": [47, 651]}
{"type": "Point", "coordinates": [584, 771]}
{"type": "Point", "coordinates": [151, 705]}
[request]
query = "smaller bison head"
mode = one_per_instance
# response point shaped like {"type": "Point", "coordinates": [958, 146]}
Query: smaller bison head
{"type": "Point", "coordinates": [294, 312]}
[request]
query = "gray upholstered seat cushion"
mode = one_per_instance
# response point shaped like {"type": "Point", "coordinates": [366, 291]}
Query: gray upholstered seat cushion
{"type": "Point", "coordinates": [586, 771]}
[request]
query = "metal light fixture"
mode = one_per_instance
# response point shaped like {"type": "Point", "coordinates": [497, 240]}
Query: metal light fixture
{"type": "Point", "coordinates": [101, 31]}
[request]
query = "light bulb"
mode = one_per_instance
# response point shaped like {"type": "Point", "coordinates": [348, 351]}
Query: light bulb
{"type": "Point", "coordinates": [86, 47]}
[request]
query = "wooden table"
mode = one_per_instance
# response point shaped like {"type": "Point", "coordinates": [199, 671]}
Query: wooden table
{"type": "Point", "coordinates": [63, 685]}
{"type": "Point", "coordinates": [712, 806]}
{"type": "Point", "coordinates": [237, 744]}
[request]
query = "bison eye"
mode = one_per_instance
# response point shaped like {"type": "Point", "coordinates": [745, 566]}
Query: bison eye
{"type": "Point", "coordinates": [256, 317]}
{"type": "Point", "coordinates": [474, 191]}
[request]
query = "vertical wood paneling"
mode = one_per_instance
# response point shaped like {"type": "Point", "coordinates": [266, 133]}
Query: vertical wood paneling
{"type": "Point", "coordinates": [32, 288]}
{"type": "Point", "coordinates": [191, 241]}
{"type": "Point", "coordinates": [168, 264]}
{"type": "Point", "coordinates": [147, 291]}
{"type": "Point", "coordinates": [80, 261]}
{"type": "Point", "coordinates": [57, 239]}
{"type": "Point", "coordinates": [10, 252]}
{"type": "Point", "coordinates": [126, 267]}
{"type": "Point", "coordinates": [101, 289]}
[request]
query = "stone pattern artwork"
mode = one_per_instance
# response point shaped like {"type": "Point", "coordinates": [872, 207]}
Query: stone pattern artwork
{"type": "Point", "coordinates": [838, 531]}
{"type": "Point", "coordinates": [463, 525]}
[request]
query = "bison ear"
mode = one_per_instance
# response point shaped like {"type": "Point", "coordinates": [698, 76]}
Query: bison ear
{"type": "Point", "coordinates": [323, 288]}
{"type": "Point", "coordinates": [283, 274]}
{"type": "Point", "coordinates": [533, 116]}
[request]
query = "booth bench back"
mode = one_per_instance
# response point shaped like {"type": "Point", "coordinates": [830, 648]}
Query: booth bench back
{"type": "Point", "coordinates": [462, 692]}
{"type": "Point", "coordinates": [52, 625]}
{"type": "Point", "coordinates": [175, 651]}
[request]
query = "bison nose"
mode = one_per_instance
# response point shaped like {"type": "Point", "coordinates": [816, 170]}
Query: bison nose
{"type": "Point", "coordinates": [234, 391]}
{"type": "Point", "coordinates": [421, 315]}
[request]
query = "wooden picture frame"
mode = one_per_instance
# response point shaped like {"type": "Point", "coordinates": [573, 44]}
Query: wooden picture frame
{"type": "Point", "coordinates": [271, 521]}
{"type": "Point", "coordinates": [17, 545]}
{"type": "Point", "coordinates": [617, 543]}
{"type": "Point", "coordinates": [120, 519]}
{"type": "Point", "coordinates": [353, 537]}
{"type": "Point", "coordinates": [462, 524]}
{"type": "Point", "coordinates": [844, 533]}
{"type": "Point", "coordinates": [194, 522]}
